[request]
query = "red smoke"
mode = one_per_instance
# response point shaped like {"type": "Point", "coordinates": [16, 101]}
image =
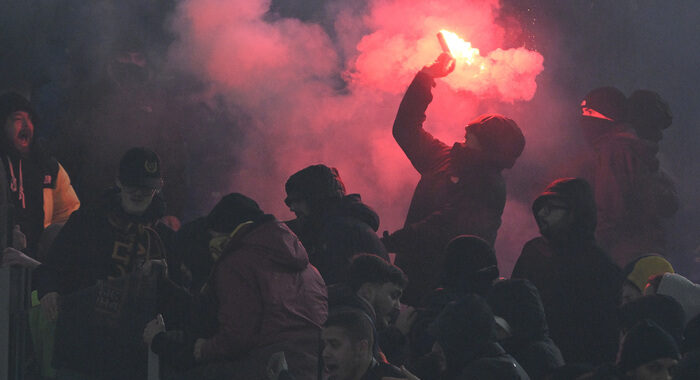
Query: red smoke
{"type": "Point", "coordinates": [283, 75]}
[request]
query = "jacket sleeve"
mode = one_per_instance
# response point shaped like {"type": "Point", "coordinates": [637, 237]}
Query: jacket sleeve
{"type": "Point", "coordinates": [240, 312]}
{"type": "Point", "coordinates": [62, 200]}
{"type": "Point", "coordinates": [422, 149]}
{"type": "Point", "coordinates": [64, 266]}
{"type": "Point", "coordinates": [175, 348]}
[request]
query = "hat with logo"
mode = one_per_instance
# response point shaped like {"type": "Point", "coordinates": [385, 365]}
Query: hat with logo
{"type": "Point", "coordinates": [140, 167]}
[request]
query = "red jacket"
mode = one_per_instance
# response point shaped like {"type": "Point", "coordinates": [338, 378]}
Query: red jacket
{"type": "Point", "coordinates": [270, 299]}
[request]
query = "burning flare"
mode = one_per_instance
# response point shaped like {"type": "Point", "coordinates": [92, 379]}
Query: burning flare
{"type": "Point", "coordinates": [460, 49]}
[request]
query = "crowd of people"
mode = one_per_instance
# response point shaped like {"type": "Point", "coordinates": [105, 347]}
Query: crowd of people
{"type": "Point", "coordinates": [239, 294]}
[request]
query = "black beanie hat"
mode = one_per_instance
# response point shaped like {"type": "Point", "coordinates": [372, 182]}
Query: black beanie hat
{"type": "Point", "coordinates": [12, 102]}
{"type": "Point", "coordinates": [313, 183]}
{"type": "Point", "coordinates": [464, 327]}
{"type": "Point", "coordinates": [232, 210]}
{"type": "Point", "coordinates": [469, 262]}
{"type": "Point", "coordinates": [499, 136]}
{"type": "Point", "coordinates": [646, 342]}
{"type": "Point", "coordinates": [663, 310]}
{"type": "Point", "coordinates": [608, 102]}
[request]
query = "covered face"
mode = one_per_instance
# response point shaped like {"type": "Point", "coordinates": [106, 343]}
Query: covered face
{"type": "Point", "coordinates": [566, 210]}
{"type": "Point", "coordinates": [139, 179]}
{"type": "Point", "coordinates": [499, 138]}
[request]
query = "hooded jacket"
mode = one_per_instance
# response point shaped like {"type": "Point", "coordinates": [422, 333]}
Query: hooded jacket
{"type": "Point", "coordinates": [632, 193]}
{"type": "Point", "coordinates": [343, 229]}
{"type": "Point", "coordinates": [269, 299]}
{"type": "Point", "coordinates": [578, 283]}
{"type": "Point", "coordinates": [518, 303]}
{"type": "Point", "coordinates": [460, 192]}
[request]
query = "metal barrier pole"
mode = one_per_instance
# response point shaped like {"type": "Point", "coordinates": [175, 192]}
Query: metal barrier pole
{"type": "Point", "coordinates": [4, 323]}
{"type": "Point", "coordinates": [153, 366]}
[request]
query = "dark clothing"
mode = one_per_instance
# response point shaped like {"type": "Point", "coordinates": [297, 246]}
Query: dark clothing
{"type": "Point", "coordinates": [493, 363]}
{"type": "Point", "coordinates": [578, 283]}
{"type": "Point", "coordinates": [343, 229]}
{"type": "Point", "coordinates": [101, 242]}
{"type": "Point", "coordinates": [390, 344]}
{"type": "Point", "coordinates": [377, 371]}
{"type": "Point", "coordinates": [190, 263]}
{"type": "Point", "coordinates": [633, 195]}
{"type": "Point", "coordinates": [519, 304]}
{"type": "Point", "coordinates": [459, 193]}
{"type": "Point", "coordinates": [269, 299]}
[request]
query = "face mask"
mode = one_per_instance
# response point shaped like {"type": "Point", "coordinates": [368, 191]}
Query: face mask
{"type": "Point", "coordinates": [218, 244]}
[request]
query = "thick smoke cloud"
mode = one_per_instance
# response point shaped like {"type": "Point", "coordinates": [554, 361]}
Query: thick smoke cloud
{"type": "Point", "coordinates": [259, 89]}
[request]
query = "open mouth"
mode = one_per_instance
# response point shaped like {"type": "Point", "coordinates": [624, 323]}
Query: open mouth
{"type": "Point", "coordinates": [24, 135]}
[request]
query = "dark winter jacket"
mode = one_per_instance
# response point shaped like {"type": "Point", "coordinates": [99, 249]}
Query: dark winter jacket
{"type": "Point", "coordinates": [459, 193]}
{"type": "Point", "coordinates": [343, 229]}
{"type": "Point", "coordinates": [577, 281]}
{"type": "Point", "coordinates": [269, 299]}
{"type": "Point", "coordinates": [518, 303]}
{"type": "Point", "coordinates": [101, 242]}
{"type": "Point", "coordinates": [190, 263]}
{"type": "Point", "coordinates": [633, 195]}
{"type": "Point", "coordinates": [493, 363]}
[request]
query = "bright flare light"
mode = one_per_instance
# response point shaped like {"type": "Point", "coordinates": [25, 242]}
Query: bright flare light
{"type": "Point", "coordinates": [461, 50]}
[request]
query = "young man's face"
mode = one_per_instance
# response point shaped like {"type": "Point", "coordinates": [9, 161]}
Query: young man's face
{"type": "Point", "coordinates": [19, 130]}
{"type": "Point", "coordinates": [343, 359]}
{"type": "Point", "coordinates": [629, 293]}
{"type": "Point", "coordinates": [135, 200]}
{"type": "Point", "coordinates": [658, 369]}
{"type": "Point", "coordinates": [553, 218]}
{"type": "Point", "coordinates": [384, 298]}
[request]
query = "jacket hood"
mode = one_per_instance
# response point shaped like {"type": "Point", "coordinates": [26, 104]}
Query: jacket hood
{"type": "Point", "coordinates": [518, 302]}
{"type": "Point", "coordinates": [273, 239]}
{"type": "Point", "coordinates": [351, 206]}
{"type": "Point", "coordinates": [578, 195]}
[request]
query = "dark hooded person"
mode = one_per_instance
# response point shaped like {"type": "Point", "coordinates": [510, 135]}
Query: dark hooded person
{"type": "Point", "coordinates": [578, 282]}
{"type": "Point", "coordinates": [466, 344]}
{"type": "Point", "coordinates": [332, 225]}
{"type": "Point", "coordinates": [40, 189]}
{"type": "Point", "coordinates": [461, 190]}
{"type": "Point", "coordinates": [262, 297]}
{"type": "Point", "coordinates": [633, 195]}
{"type": "Point", "coordinates": [522, 326]}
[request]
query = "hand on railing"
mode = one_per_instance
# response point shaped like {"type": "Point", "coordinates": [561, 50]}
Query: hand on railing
{"type": "Point", "coordinates": [49, 305]}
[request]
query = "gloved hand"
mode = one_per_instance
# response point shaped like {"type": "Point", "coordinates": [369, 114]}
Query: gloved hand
{"type": "Point", "coordinates": [443, 65]}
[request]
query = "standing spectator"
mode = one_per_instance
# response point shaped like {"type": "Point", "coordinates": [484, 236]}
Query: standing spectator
{"type": "Point", "coordinates": [633, 196]}
{"type": "Point", "coordinates": [578, 282]}
{"type": "Point", "coordinates": [332, 226]}
{"type": "Point", "coordinates": [524, 333]}
{"type": "Point", "coordinates": [40, 188]}
{"type": "Point", "coordinates": [461, 190]}
{"type": "Point", "coordinates": [264, 296]}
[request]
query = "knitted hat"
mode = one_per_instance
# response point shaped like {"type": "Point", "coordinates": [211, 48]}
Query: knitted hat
{"type": "Point", "coordinates": [499, 136]}
{"type": "Point", "coordinates": [469, 261]}
{"type": "Point", "coordinates": [464, 327]}
{"type": "Point", "coordinates": [140, 167]}
{"type": "Point", "coordinates": [12, 102]}
{"type": "Point", "coordinates": [232, 210]}
{"type": "Point", "coordinates": [640, 269]}
{"type": "Point", "coordinates": [682, 290]}
{"type": "Point", "coordinates": [316, 182]}
{"type": "Point", "coordinates": [646, 342]}
{"type": "Point", "coordinates": [663, 310]}
{"type": "Point", "coordinates": [606, 103]}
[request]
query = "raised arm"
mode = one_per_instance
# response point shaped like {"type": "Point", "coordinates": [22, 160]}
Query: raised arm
{"type": "Point", "coordinates": [421, 148]}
